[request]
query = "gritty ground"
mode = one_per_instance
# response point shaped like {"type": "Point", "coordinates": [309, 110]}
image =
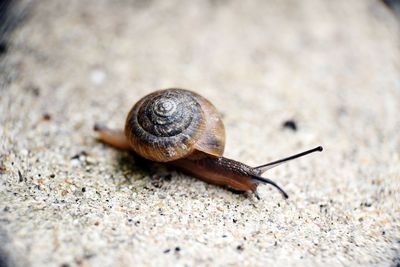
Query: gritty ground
{"type": "Point", "coordinates": [332, 67]}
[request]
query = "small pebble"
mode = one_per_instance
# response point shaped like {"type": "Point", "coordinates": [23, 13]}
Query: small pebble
{"type": "Point", "coordinates": [35, 91]}
{"type": "Point", "coordinates": [20, 177]}
{"type": "Point", "coordinates": [97, 76]}
{"type": "Point", "coordinates": [3, 168]}
{"type": "Point", "coordinates": [46, 117]}
{"type": "Point", "coordinates": [290, 124]}
{"type": "Point", "coordinates": [80, 155]}
{"type": "Point", "coordinates": [3, 48]}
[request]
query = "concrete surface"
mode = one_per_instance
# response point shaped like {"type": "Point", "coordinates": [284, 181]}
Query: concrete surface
{"type": "Point", "coordinates": [331, 66]}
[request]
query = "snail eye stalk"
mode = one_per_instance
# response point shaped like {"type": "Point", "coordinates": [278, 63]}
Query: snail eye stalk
{"type": "Point", "coordinates": [270, 165]}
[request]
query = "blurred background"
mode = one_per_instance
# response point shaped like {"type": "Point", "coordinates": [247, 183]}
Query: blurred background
{"type": "Point", "coordinates": [285, 75]}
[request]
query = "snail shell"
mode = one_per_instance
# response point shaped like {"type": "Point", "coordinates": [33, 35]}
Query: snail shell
{"type": "Point", "coordinates": [171, 124]}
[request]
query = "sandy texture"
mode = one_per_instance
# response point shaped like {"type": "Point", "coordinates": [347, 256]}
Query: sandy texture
{"type": "Point", "coordinates": [332, 66]}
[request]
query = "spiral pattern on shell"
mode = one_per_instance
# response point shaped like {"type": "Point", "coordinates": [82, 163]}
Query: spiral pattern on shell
{"type": "Point", "coordinates": [164, 125]}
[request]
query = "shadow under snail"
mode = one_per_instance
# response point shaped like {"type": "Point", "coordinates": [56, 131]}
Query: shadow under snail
{"type": "Point", "coordinates": [183, 129]}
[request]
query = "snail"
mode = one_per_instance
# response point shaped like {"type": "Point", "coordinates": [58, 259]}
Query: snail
{"type": "Point", "coordinates": [183, 129]}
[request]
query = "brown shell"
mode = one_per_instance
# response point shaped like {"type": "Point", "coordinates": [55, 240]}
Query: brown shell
{"type": "Point", "coordinates": [171, 124]}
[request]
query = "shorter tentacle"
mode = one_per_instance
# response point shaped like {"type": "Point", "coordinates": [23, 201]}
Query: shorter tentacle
{"type": "Point", "coordinates": [269, 181]}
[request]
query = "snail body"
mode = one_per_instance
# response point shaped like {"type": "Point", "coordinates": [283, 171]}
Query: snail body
{"type": "Point", "coordinates": [183, 129]}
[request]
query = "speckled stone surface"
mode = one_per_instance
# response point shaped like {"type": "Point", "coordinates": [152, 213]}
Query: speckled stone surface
{"type": "Point", "coordinates": [331, 66]}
